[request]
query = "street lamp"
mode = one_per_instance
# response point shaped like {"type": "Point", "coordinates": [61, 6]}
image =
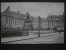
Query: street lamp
{"type": "Point", "coordinates": [39, 25]}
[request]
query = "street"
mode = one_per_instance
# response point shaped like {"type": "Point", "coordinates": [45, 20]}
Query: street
{"type": "Point", "coordinates": [32, 23]}
{"type": "Point", "coordinates": [56, 38]}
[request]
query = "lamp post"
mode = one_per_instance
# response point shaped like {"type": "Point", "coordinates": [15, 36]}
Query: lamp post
{"type": "Point", "coordinates": [39, 25]}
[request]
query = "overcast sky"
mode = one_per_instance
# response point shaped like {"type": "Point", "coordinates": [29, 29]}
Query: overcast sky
{"type": "Point", "coordinates": [36, 9]}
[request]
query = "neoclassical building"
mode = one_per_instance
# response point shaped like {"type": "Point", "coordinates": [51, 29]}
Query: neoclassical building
{"type": "Point", "coordinates": [15, 20]}
{"type": "Point", "coordinates": [53, 21]}
{"type": "Point", "coordinates": [10, 19]}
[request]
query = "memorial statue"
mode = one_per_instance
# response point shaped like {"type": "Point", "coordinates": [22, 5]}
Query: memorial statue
{"type": "Point", "coordinates": [27, 14]}
{"type": "Point", "coordinates": [27, 24]}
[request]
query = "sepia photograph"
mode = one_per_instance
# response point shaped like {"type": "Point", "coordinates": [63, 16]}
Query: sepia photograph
{"type": "Point", "coordinates": [32, 22]}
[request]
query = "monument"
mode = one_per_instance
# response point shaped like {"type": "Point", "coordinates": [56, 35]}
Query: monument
{"type": "Point", "coordinates": [27, 25]}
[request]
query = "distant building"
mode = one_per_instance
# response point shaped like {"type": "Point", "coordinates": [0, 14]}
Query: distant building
{"type": "Point", "coordinates": [12, 20]}
{"type": "Point", "coordinates": [53, 21]}
{"type": "Point", "coordinates": [15, 20]}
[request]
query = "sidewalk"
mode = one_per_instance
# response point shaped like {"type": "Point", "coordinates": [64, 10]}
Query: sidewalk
{"type": "Point", "coordinates": [11, 39]}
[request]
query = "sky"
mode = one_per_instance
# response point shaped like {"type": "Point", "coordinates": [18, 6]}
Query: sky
{"type": "Point", "coordinates": [42, 9]}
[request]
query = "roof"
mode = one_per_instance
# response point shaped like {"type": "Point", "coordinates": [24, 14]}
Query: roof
{"type": "Point", "coordinates": [55, 17]}
{"type": "Point", "coordinates": [23, 16]}
{"type": "Point", "coordinates": [14, 14]}
{"type": "Point", "coordinates": [17, 14]}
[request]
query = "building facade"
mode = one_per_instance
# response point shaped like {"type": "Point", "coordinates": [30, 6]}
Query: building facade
{"type": "Point", "coordinates": [53, 21]}
{"type": "Point", "coordinates": [11, 20]}
{"type": "Point", "coordinates": [15, 20]}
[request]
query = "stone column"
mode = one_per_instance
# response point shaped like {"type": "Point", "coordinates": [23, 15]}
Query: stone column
{"type": "Point", "coordinates": [51, 24]}
{"type": "Point", "coordinates": [48, 24]}
{"type": "Point", "coordinates": [60, 23]}
{"type": "Point", "coordinates": [54, 23]}
{"type": "Point", "coordinates": [57, 22]}
{"type": "Point", "coordinates": [10, 23]}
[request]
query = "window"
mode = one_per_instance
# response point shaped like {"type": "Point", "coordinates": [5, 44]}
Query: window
{"type": "Point", "coordinates": [11, 20]}
{"type": "Point", "coordinates": [3, 21]}
{"type": "Point", "coordinates": [15, 22]}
